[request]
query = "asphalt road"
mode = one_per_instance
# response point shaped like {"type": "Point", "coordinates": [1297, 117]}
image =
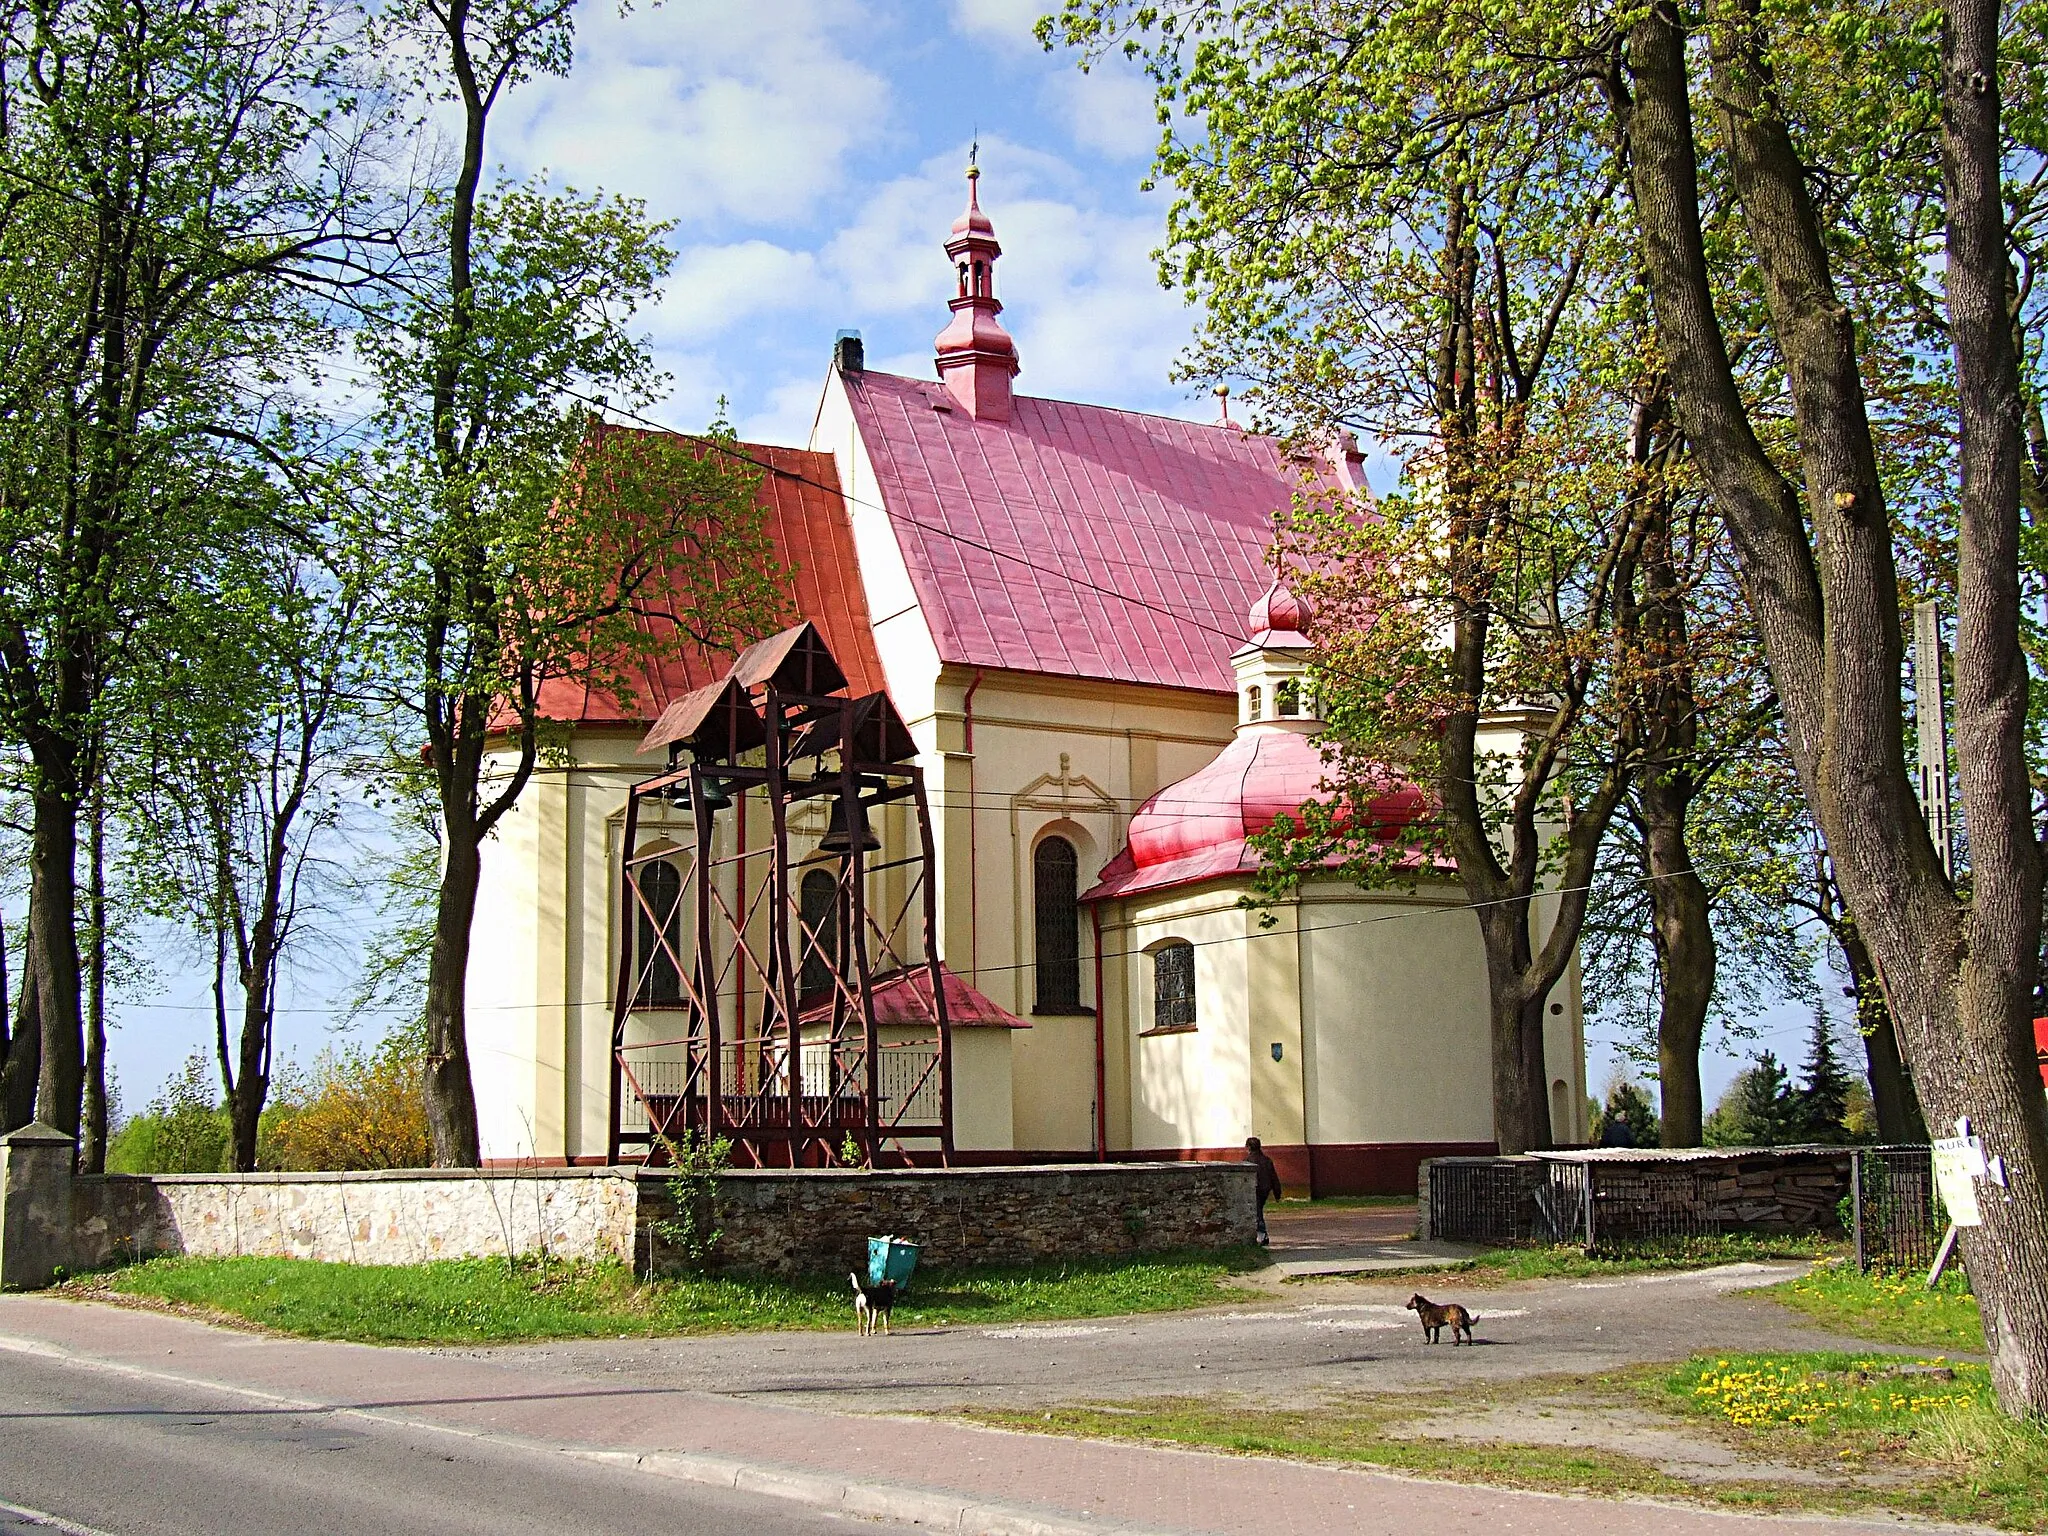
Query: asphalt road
{"type": "Point", "coordinates": [112, 1454]}
{"type": "Point", "coordinates": [1302, 1343]}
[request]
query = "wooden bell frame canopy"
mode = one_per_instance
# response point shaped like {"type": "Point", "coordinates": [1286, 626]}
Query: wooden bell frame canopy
{"type": "Point", "coordinates": [811, 1075]}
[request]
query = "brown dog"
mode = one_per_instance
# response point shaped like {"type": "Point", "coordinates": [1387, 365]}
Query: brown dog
{"type": "Point", "coordinates": [1436, 1318]}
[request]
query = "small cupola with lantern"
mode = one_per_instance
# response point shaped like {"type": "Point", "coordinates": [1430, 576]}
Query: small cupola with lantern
{"type": "Point", "coordinates": [1272, 665]}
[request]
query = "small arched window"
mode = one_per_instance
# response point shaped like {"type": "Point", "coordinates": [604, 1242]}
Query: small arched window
{"type": "Point", "coordinates": [1173, 986]}
{"type": "Point", "coordinates": [818, 917]}
{"type": "Point", "coordinates": [1254, 702]}
{"type": "Point", "coordinates": [1287, 698]}
{"type": "Point", "coordinates": [659, 916]}
{"type": "Point", "coordinates": [1055, 871]}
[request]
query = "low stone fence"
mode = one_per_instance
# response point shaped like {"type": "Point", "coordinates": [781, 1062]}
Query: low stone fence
{"type": "Point", "coordinates": [1623, 1194]}
{"type": "Point", "coordinates": [819, 1221]}
{"type": "Point", "coordinates": [770, 1220]}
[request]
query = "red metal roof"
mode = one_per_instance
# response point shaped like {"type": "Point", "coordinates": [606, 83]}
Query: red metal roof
{"type": "Point", "coordinates": [1197, 829]}
{"type": "Point", "coordinates": [1171, 518]}
{"type": "Point", "coordinates": [806, 519]}
{"type": "Point", "coordinates": [905, 997]}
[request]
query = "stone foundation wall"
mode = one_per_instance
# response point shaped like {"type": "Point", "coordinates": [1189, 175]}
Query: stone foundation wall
{"type": "Point", "coordinates": [775, 1221]}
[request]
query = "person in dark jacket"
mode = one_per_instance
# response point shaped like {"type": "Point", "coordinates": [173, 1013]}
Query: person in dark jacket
{"type": "Point", "coordinates": [1269, 1181]}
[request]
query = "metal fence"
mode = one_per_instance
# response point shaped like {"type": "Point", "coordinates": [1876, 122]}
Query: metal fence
{"type": "Point", "coordinates": [1632, 1202]}
{"type": "Point", "coordinates": [1604, 1200]}
{"type": "Point", "coordinates": [1897, 1221]}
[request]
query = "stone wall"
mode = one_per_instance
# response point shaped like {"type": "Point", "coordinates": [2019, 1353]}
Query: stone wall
{"type": "Point", "coordinates": [819, 1221]}
{"type": "Point", "coordinates": [402, 1217]}
{"type": "Point", "coordinates": [772, 1221]}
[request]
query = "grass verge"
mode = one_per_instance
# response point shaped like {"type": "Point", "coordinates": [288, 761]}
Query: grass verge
{"type": "Point", "coordinates": [1897, 1309]}
{"type": "Point", "coordinates": [1933, 1422]}
{"type": "Point", "coordinates": [1568, 1263]}
{"type": "Point", "coordinates": [485, 1301]}
{"type": "Point", "coordinates": [1860, 1434]}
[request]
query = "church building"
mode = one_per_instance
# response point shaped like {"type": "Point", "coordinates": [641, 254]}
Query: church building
{"type": "Point", "coordinates": [1073, 610]}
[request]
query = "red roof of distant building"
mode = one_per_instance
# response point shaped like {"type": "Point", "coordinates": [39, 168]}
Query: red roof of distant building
{"type": "Point", "coordinates": [1138, 541]}
{"type": "Point", "coordinates": [806, 519]}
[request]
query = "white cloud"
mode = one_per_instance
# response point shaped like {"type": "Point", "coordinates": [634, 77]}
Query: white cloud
{"type": "Point", "coordinates": [1109, 110]}
{"type": "Point", "coordinates": [707, 110]}
{"type": "Point", "coordinates": [714, 287]}
{"type": "Point", "coordinates": [791, 408]}
{"type": "Point", "coordinates": [1008, 22]}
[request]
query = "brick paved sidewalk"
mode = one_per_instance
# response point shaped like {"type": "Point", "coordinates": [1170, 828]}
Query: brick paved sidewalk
{"type": "Point", "coordinates": [1115, 1487]}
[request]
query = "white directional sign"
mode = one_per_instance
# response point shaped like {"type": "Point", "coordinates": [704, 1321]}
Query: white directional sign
{"type": "Point", "coordinates": [1958, 1164]}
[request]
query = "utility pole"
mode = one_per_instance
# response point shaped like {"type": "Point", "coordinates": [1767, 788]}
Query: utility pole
{"type": "Point", "coordinates": [1929, 717]}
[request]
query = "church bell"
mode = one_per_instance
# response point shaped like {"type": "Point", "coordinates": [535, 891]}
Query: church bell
{"type": "Point", "coordinates": [839, 838]}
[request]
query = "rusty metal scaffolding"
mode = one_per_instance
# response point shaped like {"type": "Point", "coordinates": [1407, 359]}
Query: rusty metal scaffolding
{"type": "Point", "coordinates": [812, 1070]}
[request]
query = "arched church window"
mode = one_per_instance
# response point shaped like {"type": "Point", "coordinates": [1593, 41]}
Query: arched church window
{"type": "Point", "coordinates": [818, 916]}
{"type": "Point", "coordinates": [1254, 702]}
{"type": "Point", "coordinates": [659, 915]}
{"type": "Point", "coordinates": [1287, 698]}
{"type": "Point", "coordinates": [1055, 870]}
{"type": "Point", "coordinates": [1173, 986]}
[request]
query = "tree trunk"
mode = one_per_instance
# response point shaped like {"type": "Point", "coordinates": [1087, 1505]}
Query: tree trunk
{"type": "Point", "coordinates": [25, 1055]}
{"type": "Point", "coordinates": [1521, 1078]}
{"type": "Point", "coordinates": [1958, 977]}
{"type": "Point", "coordinates": [1680, 913]}
{"type": "Point", "coordinates": [1899, 1120]}
{"type": "Point", "coordinates": [252, 1080]}
{"type": "Point", "coordinates": [92, 1141]}
{"type": "Point", "coordinates": [451, 1096]}
{"type": "Point", "coordinates": [53, 936]}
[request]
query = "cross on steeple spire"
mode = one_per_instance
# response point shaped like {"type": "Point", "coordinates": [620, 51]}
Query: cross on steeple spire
{"type": "Point", "coordinates": [976, 357]}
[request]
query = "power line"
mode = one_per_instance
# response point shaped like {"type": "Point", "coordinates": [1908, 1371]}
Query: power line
{"type": "Point", "coordinates": [1432, 910]}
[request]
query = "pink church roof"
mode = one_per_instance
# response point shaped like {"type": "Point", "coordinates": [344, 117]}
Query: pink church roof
{"type": "Point", "coordinates": [1078, 540]}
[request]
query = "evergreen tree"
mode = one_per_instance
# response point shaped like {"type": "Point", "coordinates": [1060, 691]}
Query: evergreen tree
{"type": "Point", "coordinates": [1758, 1110]}
{"type": "Point", "coordinates": [1822, 1103]}
{"type": "Point", "coordinates": [1628, 1110]}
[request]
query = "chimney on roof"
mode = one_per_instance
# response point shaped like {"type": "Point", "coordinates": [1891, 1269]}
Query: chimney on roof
{"type": "Point", "coordinates": [848, 355]}
{"type": "Point", "coordinates": [977, 358]}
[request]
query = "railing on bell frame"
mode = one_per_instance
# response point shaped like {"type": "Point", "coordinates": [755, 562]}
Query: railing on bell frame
{"type": "Point", "coordinates": [782, 1097]}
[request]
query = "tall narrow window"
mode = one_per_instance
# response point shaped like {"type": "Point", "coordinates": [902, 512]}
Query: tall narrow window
{"type": "Point", "coordinates": [818, 914]}
{"type": "Point", "coordinates": [659, 915]}
{"type": "Point", "coordinates": [1287, 698]}
{"type": "Point", "coordinates": [1253, 702]}
{"type": "Point", "coordinates": [1056, 884]}
{"type": "Point", "coordinates": [1173, 986]}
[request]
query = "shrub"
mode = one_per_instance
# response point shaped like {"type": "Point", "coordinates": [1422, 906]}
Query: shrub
{"type": "Point", "coordinates": [185, 1128]}
{"type": "Point", "coordinates": [355, 1110]}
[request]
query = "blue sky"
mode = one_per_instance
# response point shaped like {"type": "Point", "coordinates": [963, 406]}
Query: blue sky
{"type": "Point", "coordinates": [811, 153]}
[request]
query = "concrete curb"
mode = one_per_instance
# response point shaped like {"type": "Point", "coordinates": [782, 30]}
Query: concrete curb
{"type": "Point", "coordinates": [929, 1508]}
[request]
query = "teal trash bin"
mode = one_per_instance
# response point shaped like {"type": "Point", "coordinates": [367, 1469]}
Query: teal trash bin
{"type": "Point", "coordinates": [891, 1258]}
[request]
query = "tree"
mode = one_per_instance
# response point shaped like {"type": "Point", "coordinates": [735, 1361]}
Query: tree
{"type": "Point", "coordinates": [178, 196]}
{"type": "Point", "coordinates": [275, 709]}
{"type": "Point", "coordinates": [1758, 1110]}
{"type": "Point", "coordinates": [1745, 839]}
{"type": "Point", "coordinates": [1448, 297]}
{"type": "Point", "coordinates": [1821, 1106]}
{"type": "Point", "coordinates": [1628, 1108]}
{"type": "Point", "coordinates": [1743, 234]}
{"type": "Point", "coordinates": [518, 541]}
{"type": "Point", "coordinates": [1957, 967]}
